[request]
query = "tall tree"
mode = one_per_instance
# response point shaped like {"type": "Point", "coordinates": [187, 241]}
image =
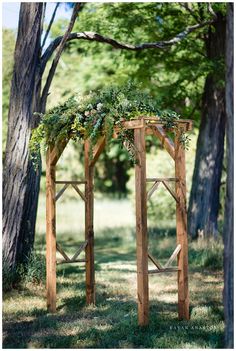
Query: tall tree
{"type": "Point", "coordinates": [228, 233]}
{"type": "Point", "coordinates": [204, 197]}
{"type": "Point", "coordinates": [20, 180]}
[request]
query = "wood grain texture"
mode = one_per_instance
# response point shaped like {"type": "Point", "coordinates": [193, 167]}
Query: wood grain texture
{"type": "Point", "coordinates": [50, 234]}
{"type": "Point", "coordinates": [173, 256]}
{"type": "Point", "coordinates": [89, 232]}
{"type": "Point", "coordinates": [154, 261]}
{"type": "Point", "coordinates": [141, 227]}
{"type": "Point", "coordinates": [181, 230]}
{"type": "Point", "coordinates": [98, 149]}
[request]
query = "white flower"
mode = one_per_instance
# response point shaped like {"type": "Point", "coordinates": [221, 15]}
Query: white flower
{"type": "Point", "coordinates": [99, 106]}
{"type": "Point", "coordinates": [86, 113]}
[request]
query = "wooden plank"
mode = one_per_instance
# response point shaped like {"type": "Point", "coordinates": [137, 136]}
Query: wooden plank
{"type": "Point", "coordinates": [152, 190]}
{"type": "Point", "coordinates": [141, 227]}
{"type": "Point", "coordinates": [173, 256]}
{"type": "Point", "coordinates": [98, 149]}
{"type": "Point", "coordinates": [71, 261]}
{"type": "Point", "coordinates": [70, 182]}
{"type": "Point", "coordinates": [154, 261]}
{"type": "Point", "coordinates": [165, 140]}
{"type": "Point", "coordinates": [134, 124]}
{"type": "Point", "coordinates": [59, 194]}
{"type": "Point", "coordinates": [78, 191]}
{"type": "Point", "coordinates": [163, 270]}
{"type": "Point", "coordinates": [186, 124]}
{"type": "Point", "coordinates": [181, 230]}
{"type": "Point", "coordinates": [56, 151]}
{"type": "Point", "coordinates": [161, 179]}
{"type": "Point", "coordinates": [62, 252]}
{"type": "Point", "coordinates": [50, 233]}
{"type": "Point", "coordinates": [89, 233]}
{"type": "Point", "coordinates": [170, 190]}
{"type": "Point", "coordinates": [81, 248]}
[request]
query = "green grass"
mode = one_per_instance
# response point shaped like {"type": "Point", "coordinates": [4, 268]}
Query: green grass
{"type": "Point", "coordinates": [112, 322]}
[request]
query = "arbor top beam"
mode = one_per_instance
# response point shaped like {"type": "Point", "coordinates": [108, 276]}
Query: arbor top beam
{"type": "Point", "coordinates": [148, 121]}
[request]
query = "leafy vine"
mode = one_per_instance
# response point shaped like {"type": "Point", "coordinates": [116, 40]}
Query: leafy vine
{"type": "Point", "coordinates": [96, 115]}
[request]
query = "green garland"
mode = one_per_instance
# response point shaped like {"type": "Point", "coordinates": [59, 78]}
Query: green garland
{"type": "Point", "coordinates": [96, 114]}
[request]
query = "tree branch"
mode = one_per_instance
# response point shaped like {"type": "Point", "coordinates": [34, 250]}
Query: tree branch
{"type": "Point", "coordinates": [186, 6]}
{"type": "Point", "coordinates": [50, 24]}
{"type": "Point", "coordinates": [59, 50]}
{"type": "Point", "coordinates": [212, 12]}
{"type": "Point", "coordinates": [91, 36]}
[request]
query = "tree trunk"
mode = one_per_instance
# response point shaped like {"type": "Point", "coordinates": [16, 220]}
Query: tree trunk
{"type": "Point", "coordinates": [204, 197]}
{"type": "Point", "coordinates": [228, 233]}
{"type": "Point", "coordinates": [20, 181]}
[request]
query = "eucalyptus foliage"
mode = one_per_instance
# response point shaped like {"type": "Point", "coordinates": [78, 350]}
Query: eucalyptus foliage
{"type": "Point", "coordinates": [95, 115]}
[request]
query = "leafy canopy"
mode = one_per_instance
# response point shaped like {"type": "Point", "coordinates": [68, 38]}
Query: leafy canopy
{"type": "Point", "coordinates": [95, 115]}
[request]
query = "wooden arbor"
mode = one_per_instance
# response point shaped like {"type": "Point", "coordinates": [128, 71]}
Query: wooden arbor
{"type": "Point", "coordinates": [142, 126]}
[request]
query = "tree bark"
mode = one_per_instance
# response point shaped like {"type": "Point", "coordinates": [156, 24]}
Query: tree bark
{"type": "Point", "coordinates": [204, 197]}
{"type": "Point", "coordinates": [20, 181]}
{"type": "Point", "coordinates": [228, 232]}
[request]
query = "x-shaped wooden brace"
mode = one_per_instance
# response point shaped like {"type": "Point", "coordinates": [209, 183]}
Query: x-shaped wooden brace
{"type": "Point", "coordinates": [74, 258]}
{"type": "Point", "coordinates": [166, 267]}
{"type": "Point", "coordinates": [74, 184]}
{"type": "Point", "coordinates": [157, 182]}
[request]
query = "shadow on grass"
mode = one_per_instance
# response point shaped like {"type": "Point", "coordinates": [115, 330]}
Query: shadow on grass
{"type": "Point", "coordinates": [112, 323]}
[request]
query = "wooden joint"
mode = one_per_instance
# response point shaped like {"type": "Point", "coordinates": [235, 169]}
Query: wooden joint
{"type": "Point", "coordinates": [81, 248]}
{"type": "Point", "coordinates": [170, 191]}
{"type": "Point", "coordinates": [153, 189]}
{"type": "Point", "coordinates": [155, 262]}
{"type": "Point", "coordinates": [67, 259]}
{"type": "Point", "coordinates": [167, 143]}
{"type": "Point", "coordinates": [99, 147]}
{"type": "Point", "coordinates": [79, 192]}
{"type": "Point", "coordinates": [173, 256]}
{"type": "Point", "coordinates": [69, 182]}
{"type": "Point", "coordinates": [62, 252]}
{"type": "Point", "coordinates": [59, 194]}
{"type": "Point", "coordinates": [161, 179]}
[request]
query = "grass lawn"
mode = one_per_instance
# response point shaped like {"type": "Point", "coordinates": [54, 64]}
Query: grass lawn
{"type": "Point", "coordinates": [112, 323]}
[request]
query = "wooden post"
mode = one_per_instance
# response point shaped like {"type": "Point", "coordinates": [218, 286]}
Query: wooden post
{"type": "Point", "coordinates": [141, 227]}
{"type": "Point", "coordinates": [50, 233]}
{"type": "Point", "coordinates": [181, 229]}
{"type": "Point", "coordinates": [89, 233]}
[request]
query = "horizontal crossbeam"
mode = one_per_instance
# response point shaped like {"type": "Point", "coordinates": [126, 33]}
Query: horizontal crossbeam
{"type": "Point", "coordinates": [161, 179]}
{"type": "Point", "coordinates": [185, 124]}
{"type": "Point", "coordinates": [163, 270]}
{"type": "Point", "coordinates": [75, 261]}
{"type": "Point", "coordinates": [67, 259]}
{"type": "Point", "coordinates": [70, 182]}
